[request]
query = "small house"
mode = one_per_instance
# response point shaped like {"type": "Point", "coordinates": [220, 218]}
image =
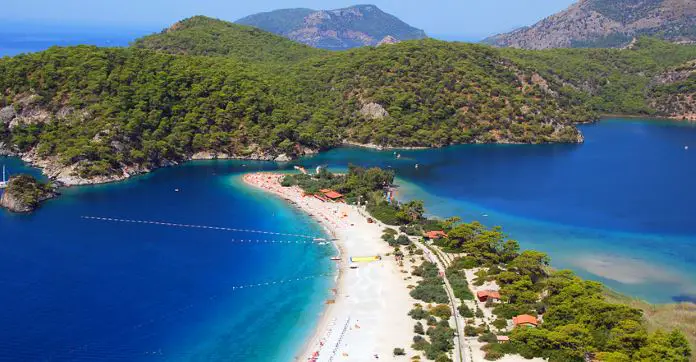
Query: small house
{"type": "Point", "coordinates": [525, 320]}
{"type": "Point", "coordinates": [332, 195]}
{"type": "Point", "coordinates": [503, 339]}
{"type": "Point", "coordinates": [486, 295]}
{"type": "Point", "coordinates": [436, 234]}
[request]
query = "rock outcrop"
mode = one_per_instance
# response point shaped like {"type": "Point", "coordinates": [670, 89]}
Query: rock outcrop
{"type": "Point", "coordinates": [24, 194]}
{"type": "Point", "coordinates": [606, 23]}
{"type": "Point", "coordinates": [373, 110]}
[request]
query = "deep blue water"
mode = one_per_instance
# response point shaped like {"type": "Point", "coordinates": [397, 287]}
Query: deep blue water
{"type": "Point", "coordinates": [619, 209]}
{"type": "Point", "coordinates": [74, 289]}
{"type": "Point", "coordinates": [17, 38]}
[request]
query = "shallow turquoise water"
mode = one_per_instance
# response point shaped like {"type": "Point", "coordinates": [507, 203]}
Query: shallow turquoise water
{"type": "Point", "coordinates": [618, 208]}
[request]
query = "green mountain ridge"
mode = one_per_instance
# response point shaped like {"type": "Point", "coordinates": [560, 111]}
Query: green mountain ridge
{"type": "Point", "coordinates": [200, 35]}
{"type": "Point", "coordinates": [206, 88]}
{"type": "Point", "coordinates": [355, 26]}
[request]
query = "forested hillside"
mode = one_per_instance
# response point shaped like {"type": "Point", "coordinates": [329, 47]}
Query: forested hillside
{"type": "Point", "coordinates": [200, 35]}
{"type": "Point", "coordinates": [207, 88]}
{"type": "Point", "coordinates": [608, 80]}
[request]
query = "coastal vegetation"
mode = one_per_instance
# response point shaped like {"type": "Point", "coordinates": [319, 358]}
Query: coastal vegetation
{"type": "Point", "coordinates": [435, 341]}
{"type": "Point", "coordinates": [358, 184]}
{"type": "Point", "coordinates": [208, 88]}
{"type": "Point", "coordinates": [574, 319]}
{"type": "Point", "coordinates": [578, 320]}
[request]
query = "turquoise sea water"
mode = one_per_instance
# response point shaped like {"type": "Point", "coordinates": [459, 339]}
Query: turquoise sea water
{"type": "Point", "coordinates": [74, 289]}
{"type": "Point", "coordinates": [619, 208]}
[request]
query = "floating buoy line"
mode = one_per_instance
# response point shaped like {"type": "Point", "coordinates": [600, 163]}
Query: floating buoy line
{"type": "Point", "coordinates": [281, 281]}
{"type": "Point", "coordinates": [261, 241]}
{"type": "Point", "coordinates": [191, 226]}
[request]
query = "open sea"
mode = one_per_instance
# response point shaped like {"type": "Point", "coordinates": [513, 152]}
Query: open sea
{"type": "Point", "coordinates": [619, 208]}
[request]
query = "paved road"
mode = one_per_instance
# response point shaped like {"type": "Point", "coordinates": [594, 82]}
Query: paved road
{"type": "Point", "coordinates": [442, 261]}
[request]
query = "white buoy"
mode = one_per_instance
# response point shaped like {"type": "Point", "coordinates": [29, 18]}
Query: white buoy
{"type": "Point", "coordinates": [686, 147]}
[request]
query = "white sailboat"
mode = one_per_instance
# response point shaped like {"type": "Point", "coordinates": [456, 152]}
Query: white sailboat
{"type": "Point", "coordinates": [3, 183]}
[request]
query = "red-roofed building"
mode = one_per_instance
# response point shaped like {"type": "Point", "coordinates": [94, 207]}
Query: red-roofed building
{"type": "Point", "coordinates": [525, 320]}
{"type": "Point", "coordinates": [331, 194]}
{"type": "Point", "coordinates": [485, 295]}
{"type": "Point", "coordinates": [436, 234]}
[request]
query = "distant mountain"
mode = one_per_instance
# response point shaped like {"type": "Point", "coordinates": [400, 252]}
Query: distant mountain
{"type": "Point", "coordinates": [606, 23]}
{"type": "Point", "coordinates": [356, 26]}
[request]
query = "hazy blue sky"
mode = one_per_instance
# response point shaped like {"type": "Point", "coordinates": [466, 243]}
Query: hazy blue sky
{"type": "Point", "coordinates": [458, 18]}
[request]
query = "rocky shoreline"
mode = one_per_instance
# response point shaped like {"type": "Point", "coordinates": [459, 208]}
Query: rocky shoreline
{"type": "Point", "coordinates": [25, 194]}
{"type": "Point", "coordinates": [66, 175]}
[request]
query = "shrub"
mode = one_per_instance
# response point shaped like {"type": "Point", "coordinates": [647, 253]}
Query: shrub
{"type": "Point", "coordinates": [399, 352]}
{"type": "Point", "coordinates": [500, 323]}
{"type": "Point", "coordinates": [418, 313]}
{"type": "Point", "coordinates": [440, 341]}
{"type": "Point", "coordinates": [403, 240]}
{"type": "Point", "coordinates": [430, 292]}
{"type": "Point", "coordinates": [459, 285]}
{"type": "Point", "coordinates": [488, 338]}
{"type": "Point", "coordinates": [479, 313]}
{"type": "Point", "coordinates": [443, 323]}
{"type": "Point", "coordinates": [385, 212]}
{"type": "Point", "coordinates": [418, 328]}
{"type": "Point", "coordinates": [465, 311]}
{"type": "Point", "coordinates": [441, 311]}
{"type": "Point", "coordinates": [443, 358]}
{"type": "Point", "coordinates": [466, 262]}
{"type": "Point", "coordinates": [493, 355]}
{"type": "Point", "coordinates": [470, 331]}
{"type": "Point", "coordinates": [420, 344]}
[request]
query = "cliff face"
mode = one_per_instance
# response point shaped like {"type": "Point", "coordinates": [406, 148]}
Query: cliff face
{"type": "Point", "coordinates": [606, 23]}
{"type": "Point", "coordinates": [24, 194]}
{"type": "Point", "coordinates": [357, 26]}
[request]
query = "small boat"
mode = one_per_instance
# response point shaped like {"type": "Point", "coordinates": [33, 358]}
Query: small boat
{"type": "Point", "coordinates": [416, 165]}
{"type": "Point", "coordinates": [335, 258]}
{"type": "Point", "coordinates": [686, 147]}
{"type": "Point", "coordinates": [319, 239]}
{"type": "Point", "coordinates": [484, 215]}
{"type": "Point", "coordinates": [3, 182]}
{"type": "Point", "coordinates": [176, 190]}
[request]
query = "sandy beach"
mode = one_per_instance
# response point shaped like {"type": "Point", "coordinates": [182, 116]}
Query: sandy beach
{"type": "Point", "coordinates": [367, 317]}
